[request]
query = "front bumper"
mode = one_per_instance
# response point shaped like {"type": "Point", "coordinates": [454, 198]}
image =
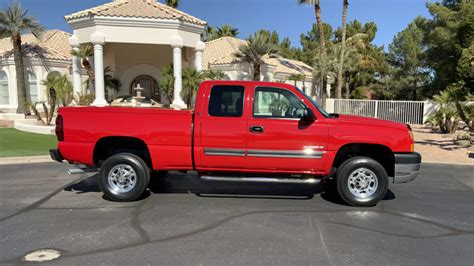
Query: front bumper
{"type": "Point", "coordinates": [56, 155]}
{"type": "Point", "coordinates": [407, 167]}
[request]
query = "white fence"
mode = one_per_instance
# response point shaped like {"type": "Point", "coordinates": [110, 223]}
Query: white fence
{"type": "Point", "coordinates": [411, 112]}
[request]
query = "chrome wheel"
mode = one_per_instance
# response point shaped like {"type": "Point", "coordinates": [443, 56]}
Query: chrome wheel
{"type": "Point", "coordinates": [362, 183]}
{"type": "Point", "coordinates": [122, 178]}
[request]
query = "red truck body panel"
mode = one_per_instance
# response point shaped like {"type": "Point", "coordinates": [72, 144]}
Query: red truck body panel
{"type": "Point", "coordinates": [169, 137]}
{"type": "Point", "coordinates": [167, 133]}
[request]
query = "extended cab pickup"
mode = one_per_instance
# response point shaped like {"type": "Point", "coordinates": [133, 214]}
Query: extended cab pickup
{"type": "Point", "coordinates": [239, 131]}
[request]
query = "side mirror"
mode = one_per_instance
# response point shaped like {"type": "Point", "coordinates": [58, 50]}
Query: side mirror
{"type": "Point", "coordinates": [308, 115]}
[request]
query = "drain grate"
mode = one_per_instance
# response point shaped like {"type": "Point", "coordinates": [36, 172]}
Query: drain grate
{"type": "Point", "coordinates": [42, 255]}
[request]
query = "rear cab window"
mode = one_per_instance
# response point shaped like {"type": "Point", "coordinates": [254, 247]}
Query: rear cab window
{"type": "Point", "coordinates": [226, 101]}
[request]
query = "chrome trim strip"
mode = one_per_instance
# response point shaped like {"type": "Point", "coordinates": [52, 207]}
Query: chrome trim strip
{"type": "Point", "coordinates": [223, 152]}
{"type": "Point", "coordinates": [261, 179]}
{"type": "Point", "coordinates": [286, 154]}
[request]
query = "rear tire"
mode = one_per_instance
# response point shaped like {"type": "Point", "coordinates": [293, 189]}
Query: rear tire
{"type": "Point", "coordinates": [362, 181]}
{"type": "Point", "coordinates": [124, 177]}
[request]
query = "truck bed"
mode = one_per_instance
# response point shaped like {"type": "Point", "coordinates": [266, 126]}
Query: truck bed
{"type": "Point", "coordinates": [85, 126]}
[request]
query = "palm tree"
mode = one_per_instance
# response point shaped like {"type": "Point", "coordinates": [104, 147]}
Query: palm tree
{"type": "Point", "coordinates": [62, 87]}
{"type": "Point", "coordinates": [191, 81]}
{"type": "Point", "coordinates": [296, 77]}
{"type": "Point", "coordinates": [14, 21]}
{"type": "Point", "coordinates": [212, 74]}
{"type": "Point", "coordinates": [345, 4]}
{"type": "Point", "coordinates": [226, 31]}
{"type": "Point", "coordinates": [64, 90]}
{"type": "Point", "coordinates": [258, 46]}
{"type": "Point", "coordinates": [354, 55]}
{"type": "Point", "coordinates": [166, 83]}
{"type": "Point", "coordinates": [109, 80]}
{"type": "Point", "coordinates": [210, 33]}
{"type": "Point", "coordinates": [172, 3]}
{"type": "Point", "coordinates": [85, 52]}
{"type": "Point", "coordinates": [50, 82]}
{"type": "Point", "coordinates": [322, 46]}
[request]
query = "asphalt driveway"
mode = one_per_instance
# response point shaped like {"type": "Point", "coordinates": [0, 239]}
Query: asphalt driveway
{"type": "Point", "coordinates": [182, 222]}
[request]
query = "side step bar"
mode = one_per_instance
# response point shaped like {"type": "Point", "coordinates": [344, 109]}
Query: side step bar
{"type": "Point", "coordinates": [262, 179]}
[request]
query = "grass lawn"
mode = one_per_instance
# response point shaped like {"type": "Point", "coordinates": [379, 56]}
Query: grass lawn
{"type": "Point", "coordinates": [15, 143]}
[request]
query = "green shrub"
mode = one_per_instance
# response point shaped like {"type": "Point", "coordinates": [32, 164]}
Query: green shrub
{"type": "Point", "coordinates": [84, 99]}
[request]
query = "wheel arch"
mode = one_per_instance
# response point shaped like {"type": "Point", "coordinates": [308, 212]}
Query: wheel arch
{"type": "Point", "coordinates": [110, 145]}
{"type": "Point", "coordinates": [380, 153]}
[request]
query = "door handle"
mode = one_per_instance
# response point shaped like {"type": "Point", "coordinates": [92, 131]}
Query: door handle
{"type": "Point", "coordinates": [256, 129]}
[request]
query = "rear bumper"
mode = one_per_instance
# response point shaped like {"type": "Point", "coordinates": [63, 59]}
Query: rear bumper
{"type": "Point", "coordinates": [407, 167]}
{"type": "Point", "coordinates": [56, 155]}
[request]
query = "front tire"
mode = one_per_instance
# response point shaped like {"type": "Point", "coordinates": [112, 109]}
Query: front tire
{"type": "Point", "coordinates": [362, 181]}
{"type": "Point", "coordinates": [124, 177]}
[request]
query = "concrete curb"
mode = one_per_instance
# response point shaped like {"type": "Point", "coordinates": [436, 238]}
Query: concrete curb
{"type": "Point", "coordinates": [29, 125]}
{"type": "Point", "coordinates": [25, 160]}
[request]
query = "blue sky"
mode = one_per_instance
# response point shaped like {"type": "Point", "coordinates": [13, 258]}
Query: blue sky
{"type": "Point", "coordinates": [284, 16]}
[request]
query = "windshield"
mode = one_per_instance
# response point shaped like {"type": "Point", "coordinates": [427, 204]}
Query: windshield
{"type": "Point", "coordinates": [315, 104]}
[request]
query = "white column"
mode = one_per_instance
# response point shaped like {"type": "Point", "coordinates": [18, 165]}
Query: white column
{"type": "Point", "coordinates": [76, 67]}
{"type": "Point", "coordinates": [98, 40]}
{"type": "Point", "coordinates": [177, 44]}
{"type": "Point", "coordinates": [198, 56]}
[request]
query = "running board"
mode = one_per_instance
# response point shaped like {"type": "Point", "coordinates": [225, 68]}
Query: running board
{"type": "Point", "coordinates": [261, 179]}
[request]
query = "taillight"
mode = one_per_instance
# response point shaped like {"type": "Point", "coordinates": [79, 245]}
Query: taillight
{"type": "Point", "coordinates": [59, 128]}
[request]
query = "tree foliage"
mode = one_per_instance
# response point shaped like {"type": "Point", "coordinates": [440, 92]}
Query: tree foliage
{"type": "Point", "coordinates": [191, 81]}
{"type": "Point", "coordinates": [226, 30]}
{"type": "Point", "coordinates": [449, 41]}
{"type": "Point", "coordinates": [166, 82]}
{"type": "Point", "coordinates": [213, 74]}
{"type": "Point", "coordinates": [213, 33]}
{"type": "Point", "coordinates": [85, 53]}
{"type": "Point", "coordinates": [408, 68]}
{"type": "Point", "coordinates": [258, 46]}
{"type": "Point", "coordinates": [172, 3]}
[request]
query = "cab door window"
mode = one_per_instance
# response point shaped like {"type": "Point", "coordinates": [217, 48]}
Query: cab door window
{"type": "Point", "coordinates": [276, 103]}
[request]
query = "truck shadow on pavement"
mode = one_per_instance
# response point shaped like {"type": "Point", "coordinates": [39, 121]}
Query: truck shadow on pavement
{"type": "Point", "coordinates": [180, 183]}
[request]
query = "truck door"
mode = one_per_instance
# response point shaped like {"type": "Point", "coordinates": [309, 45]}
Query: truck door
{"type": "Point", "coordinates": [223, 129]}
{"type": "Point", "coordinates": [278, 139]}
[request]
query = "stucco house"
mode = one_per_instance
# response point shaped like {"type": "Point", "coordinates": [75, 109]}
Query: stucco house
{"type": "Point", "coordinates": [135, 39]}
{"type": "Point", "coordinates": [49, 56]}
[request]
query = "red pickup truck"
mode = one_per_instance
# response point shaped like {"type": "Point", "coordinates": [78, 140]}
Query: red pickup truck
{"type": "Point", "coordinates": [239, 131]}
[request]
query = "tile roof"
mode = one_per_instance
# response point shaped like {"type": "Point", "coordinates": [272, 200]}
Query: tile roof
{"type": "Point", "coordinates": [290, 66]}
{"type": "Point", "coordinates": [53, 44]}
{"type": "Point", "coordinates": [221, 52]}
{"type": "Point", "coordinates": [136, 9]}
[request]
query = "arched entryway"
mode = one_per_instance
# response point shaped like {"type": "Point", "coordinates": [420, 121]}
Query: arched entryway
{"type": "Point", "coordinates": [149, 85]}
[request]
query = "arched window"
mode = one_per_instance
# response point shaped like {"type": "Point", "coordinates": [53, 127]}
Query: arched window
{"type": "Point", "coordinates": [4, 94]}
{"type": "Point", "coordinates": [33, 87]}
